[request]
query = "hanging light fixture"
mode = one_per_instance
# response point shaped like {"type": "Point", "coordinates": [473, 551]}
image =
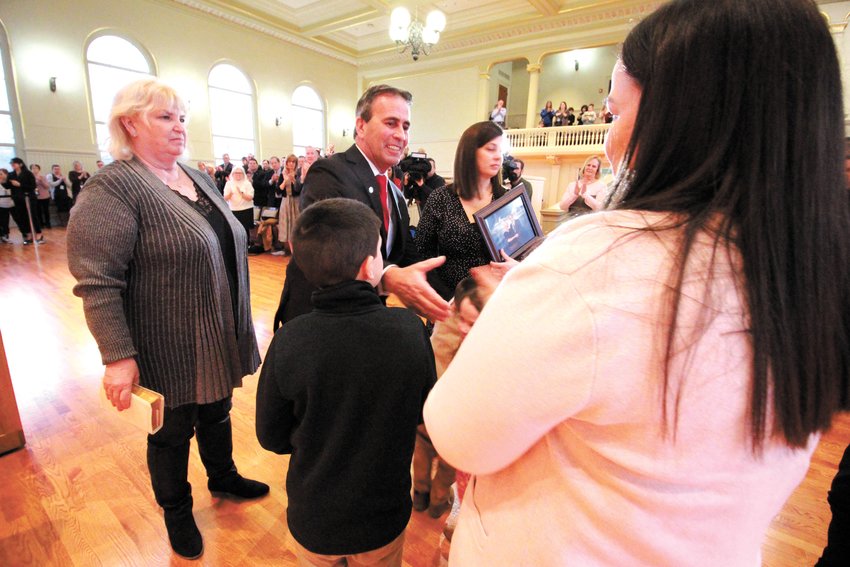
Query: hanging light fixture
{"type": "Point", "coordinates": [419, 38]}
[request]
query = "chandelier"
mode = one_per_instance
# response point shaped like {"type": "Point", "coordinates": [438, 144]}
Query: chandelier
{"type": "Point", "coordinates": [419, 38]}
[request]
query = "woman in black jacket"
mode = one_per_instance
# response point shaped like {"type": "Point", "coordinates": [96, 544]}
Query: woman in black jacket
{"type": "Point", "coordinates": [22, 182]}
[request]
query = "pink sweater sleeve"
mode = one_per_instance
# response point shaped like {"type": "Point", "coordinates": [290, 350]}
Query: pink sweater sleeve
{"type": "Point", "coordinates": [508, 386]}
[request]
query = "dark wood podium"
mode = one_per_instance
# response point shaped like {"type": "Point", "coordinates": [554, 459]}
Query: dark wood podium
{"type": "Point", "coordinates": [11, 431]}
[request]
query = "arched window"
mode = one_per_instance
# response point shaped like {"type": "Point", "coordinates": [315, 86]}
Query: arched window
{"type": "Point", "coordinates": [7, 126]}
{"type": "Point", "coordinates": [308, 120]}
{"type": "Point", "coordinates": [231, 112]}
{"type": "Point", "coordinates": [112, 62]}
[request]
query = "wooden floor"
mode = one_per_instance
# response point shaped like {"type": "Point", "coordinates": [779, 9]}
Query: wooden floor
{"type": "Point", "coordinates": [79, 492]}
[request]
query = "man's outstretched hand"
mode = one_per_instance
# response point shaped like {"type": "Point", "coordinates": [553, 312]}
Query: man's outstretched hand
{"type": "Point", "coordinates": [412, 288]}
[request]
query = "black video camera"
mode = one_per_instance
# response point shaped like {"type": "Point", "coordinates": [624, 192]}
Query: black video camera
{"type": "Point", "coordinates": [510, 169]}
{"type": "Point", "coordinates": [416, 164]}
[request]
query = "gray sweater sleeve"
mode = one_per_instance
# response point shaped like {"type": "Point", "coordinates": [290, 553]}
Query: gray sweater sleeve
{"type": "Point", "coordinates": [101, 240]}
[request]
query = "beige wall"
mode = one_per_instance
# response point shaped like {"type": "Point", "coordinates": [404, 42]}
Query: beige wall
{"type": "Point", "coordinates": [560, 81]}
{"type": "Point", "coordinates": [48, 38]}
{"type": "Point", "coordinates": [518, 104]}
{"type": "Point", "coordinates": [444, 105]}
{"type": "Point", "coordinates": [838, 16]}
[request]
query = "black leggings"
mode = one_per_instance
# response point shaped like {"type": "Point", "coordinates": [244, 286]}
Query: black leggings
{"type": "Point", "coordinates": [19, 213]}
{"type": "Point", "coordinates": [4, 221]}
{"type": "Point", "coordinates": [246, 218]}
{"type": "Point", "coordinates": [44, 212]}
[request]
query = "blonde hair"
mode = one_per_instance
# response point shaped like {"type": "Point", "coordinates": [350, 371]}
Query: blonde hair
{"type": "Point", "coordinates": [598, 169]}
{"type": "Point", "coordinates": [137, 99]}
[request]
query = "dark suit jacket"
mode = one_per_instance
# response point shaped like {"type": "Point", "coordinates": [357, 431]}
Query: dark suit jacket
{"type": "Point", "coordinates": [349, 176]}
{"type": "Point", "coordinates": [522, 181]}
{"type": "Point", "coordinates": [221, 176]}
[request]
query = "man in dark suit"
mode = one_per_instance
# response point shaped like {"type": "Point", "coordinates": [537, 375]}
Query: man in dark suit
{"type": "Point", "coordinates": [381, 135]}
{"type": "Point", "coordinates": [520, 180]}
{"type": "Point", "coordinates": [222, 172]}
{"type": "Point", "coordinates": [433, 180]}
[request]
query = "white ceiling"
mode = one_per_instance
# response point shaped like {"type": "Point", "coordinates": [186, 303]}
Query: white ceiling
{"type": "Point", "coordinates": [357, 30]}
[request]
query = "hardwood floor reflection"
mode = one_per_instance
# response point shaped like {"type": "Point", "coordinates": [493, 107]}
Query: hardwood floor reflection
{"type": "Point", "coordinates": [79, 493]}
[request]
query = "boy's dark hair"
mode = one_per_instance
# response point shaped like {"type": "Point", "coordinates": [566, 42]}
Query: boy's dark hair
{"type": "Point", "coordinates": [467, 288]}
{"type": "Point", "coordinates": [332, 238]}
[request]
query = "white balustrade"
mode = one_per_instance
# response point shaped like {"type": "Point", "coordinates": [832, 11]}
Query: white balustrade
{"type": "Point", "coordinates": [557, 139]}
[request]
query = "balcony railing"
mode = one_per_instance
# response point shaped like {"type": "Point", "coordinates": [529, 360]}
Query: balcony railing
{"type": "Point", "coordinates": [560, 139]}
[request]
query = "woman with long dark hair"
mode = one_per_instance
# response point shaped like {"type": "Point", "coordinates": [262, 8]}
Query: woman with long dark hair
{"type": "Point", "coordinates": [446, 227]}
{"type": "Point", "coordinates": [23, 185]}
{"type": "Point", "coordinates": [672, 359]}
{"type": "Point", "coordinates": [547, 114]}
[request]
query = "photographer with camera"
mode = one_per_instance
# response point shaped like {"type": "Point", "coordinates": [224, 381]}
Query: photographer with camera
{"type": "Point", "coordinates": [512, 169]}
{"type": "Point", "coordinates": [433, 180]}
{"type": "Point", "coordinates": [415, 168]}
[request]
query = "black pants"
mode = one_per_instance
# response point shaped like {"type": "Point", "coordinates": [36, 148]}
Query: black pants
{"type": "Point", "coordinates": [19, 215]}
{"type": "Point", "coordinates": [168, 450]}
{"type": "Point", "coordinates": [44, 212]}
{"type": "Point", "coordinates": [4, 221]}
{"type": "Point", "coordinates": [837, 551]}
{"type": "Point", "coordinates": [22, 219]}
{"type": "Point", "coordinates": [246, 218]}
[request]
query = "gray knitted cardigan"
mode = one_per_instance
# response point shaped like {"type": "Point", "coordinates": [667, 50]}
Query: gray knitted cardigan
{"type": "Point", "coordinates": [154, 285]}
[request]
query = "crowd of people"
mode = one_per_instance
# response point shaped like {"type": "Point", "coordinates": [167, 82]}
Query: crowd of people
{"type": "Point", "coordinates": [625, 395]}
{"type": "Point", "coordinates": [26, 195]}
{"type": "Point", "coordinates": [563, 116]}
{"type": "Point", "coordinates": [567, 116]}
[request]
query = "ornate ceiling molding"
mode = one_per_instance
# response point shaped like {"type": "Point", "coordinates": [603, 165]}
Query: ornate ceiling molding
{"type": "Point", "coordinates": [608, 17]}
{"type": "Point", "coordinates": [573, 21]}
{"type": "Point", "coordinates": [277, 33]}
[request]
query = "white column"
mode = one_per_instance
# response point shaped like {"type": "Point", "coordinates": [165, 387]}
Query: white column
{"type": "Point", "coordinates": [840, 40]}
{"type": "Point", "coordinates": [533, 85]}
{"type": "Point", "coordinates": [483, 96]}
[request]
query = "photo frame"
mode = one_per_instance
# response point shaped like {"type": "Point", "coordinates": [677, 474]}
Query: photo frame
{"type": "Point", "coordinates": [509, 223]}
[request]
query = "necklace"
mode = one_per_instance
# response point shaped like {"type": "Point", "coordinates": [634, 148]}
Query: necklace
{"type": "Point", "coordinates": [165, 175]}
{"type": "Point", "coordinates": [172, 179]}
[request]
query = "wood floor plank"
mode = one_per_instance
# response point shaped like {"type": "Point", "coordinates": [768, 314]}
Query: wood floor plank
{"type": "Point", "coordinates": [79, 492]}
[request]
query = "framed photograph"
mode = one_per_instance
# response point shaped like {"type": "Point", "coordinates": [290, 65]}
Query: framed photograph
{"type": "Point", "coordinates": [509, 224]}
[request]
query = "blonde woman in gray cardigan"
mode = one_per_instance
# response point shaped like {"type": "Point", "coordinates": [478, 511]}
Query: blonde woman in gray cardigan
{"type": "Point", "coordinates": [162, 270]}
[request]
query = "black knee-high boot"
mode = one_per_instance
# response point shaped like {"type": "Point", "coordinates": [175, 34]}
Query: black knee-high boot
{"type": "Point", "coordinates": [837, 550]}
{"type": "Point", "coordinates": [215, 444]}
{"type": "Point", "coordinates": [169, 469]}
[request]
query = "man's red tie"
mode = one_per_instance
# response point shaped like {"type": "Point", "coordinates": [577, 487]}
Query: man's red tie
{"type": "Point", "coordinates": [382, 183]}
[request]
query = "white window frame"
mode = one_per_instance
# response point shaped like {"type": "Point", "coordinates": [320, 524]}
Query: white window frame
{"type": "Point", "coordinates": [101, 95]}
{"type": "Point", "coordinates": [237, 140]}
{"type": "Point", "coordinates": [9, 112]}
{"type": "Point", "coordinates": [302, 115]}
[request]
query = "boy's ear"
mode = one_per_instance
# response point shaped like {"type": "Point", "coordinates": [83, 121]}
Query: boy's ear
{"type": "Point", "coordinates": [365, 272]}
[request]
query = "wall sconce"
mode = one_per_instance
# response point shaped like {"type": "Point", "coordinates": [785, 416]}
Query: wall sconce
{"type": "Point", "coordinates": [53, 84]}
{"type": "Point", "coordinates": [576, 64]}
{"type": "Point", "coordinates": [344, 132]}
{"type": "Point", "coordinates": [277, 120]}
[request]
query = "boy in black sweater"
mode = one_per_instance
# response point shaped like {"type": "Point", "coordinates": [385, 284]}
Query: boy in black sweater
{"type": "Point", "coordinates": [342, 390]}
